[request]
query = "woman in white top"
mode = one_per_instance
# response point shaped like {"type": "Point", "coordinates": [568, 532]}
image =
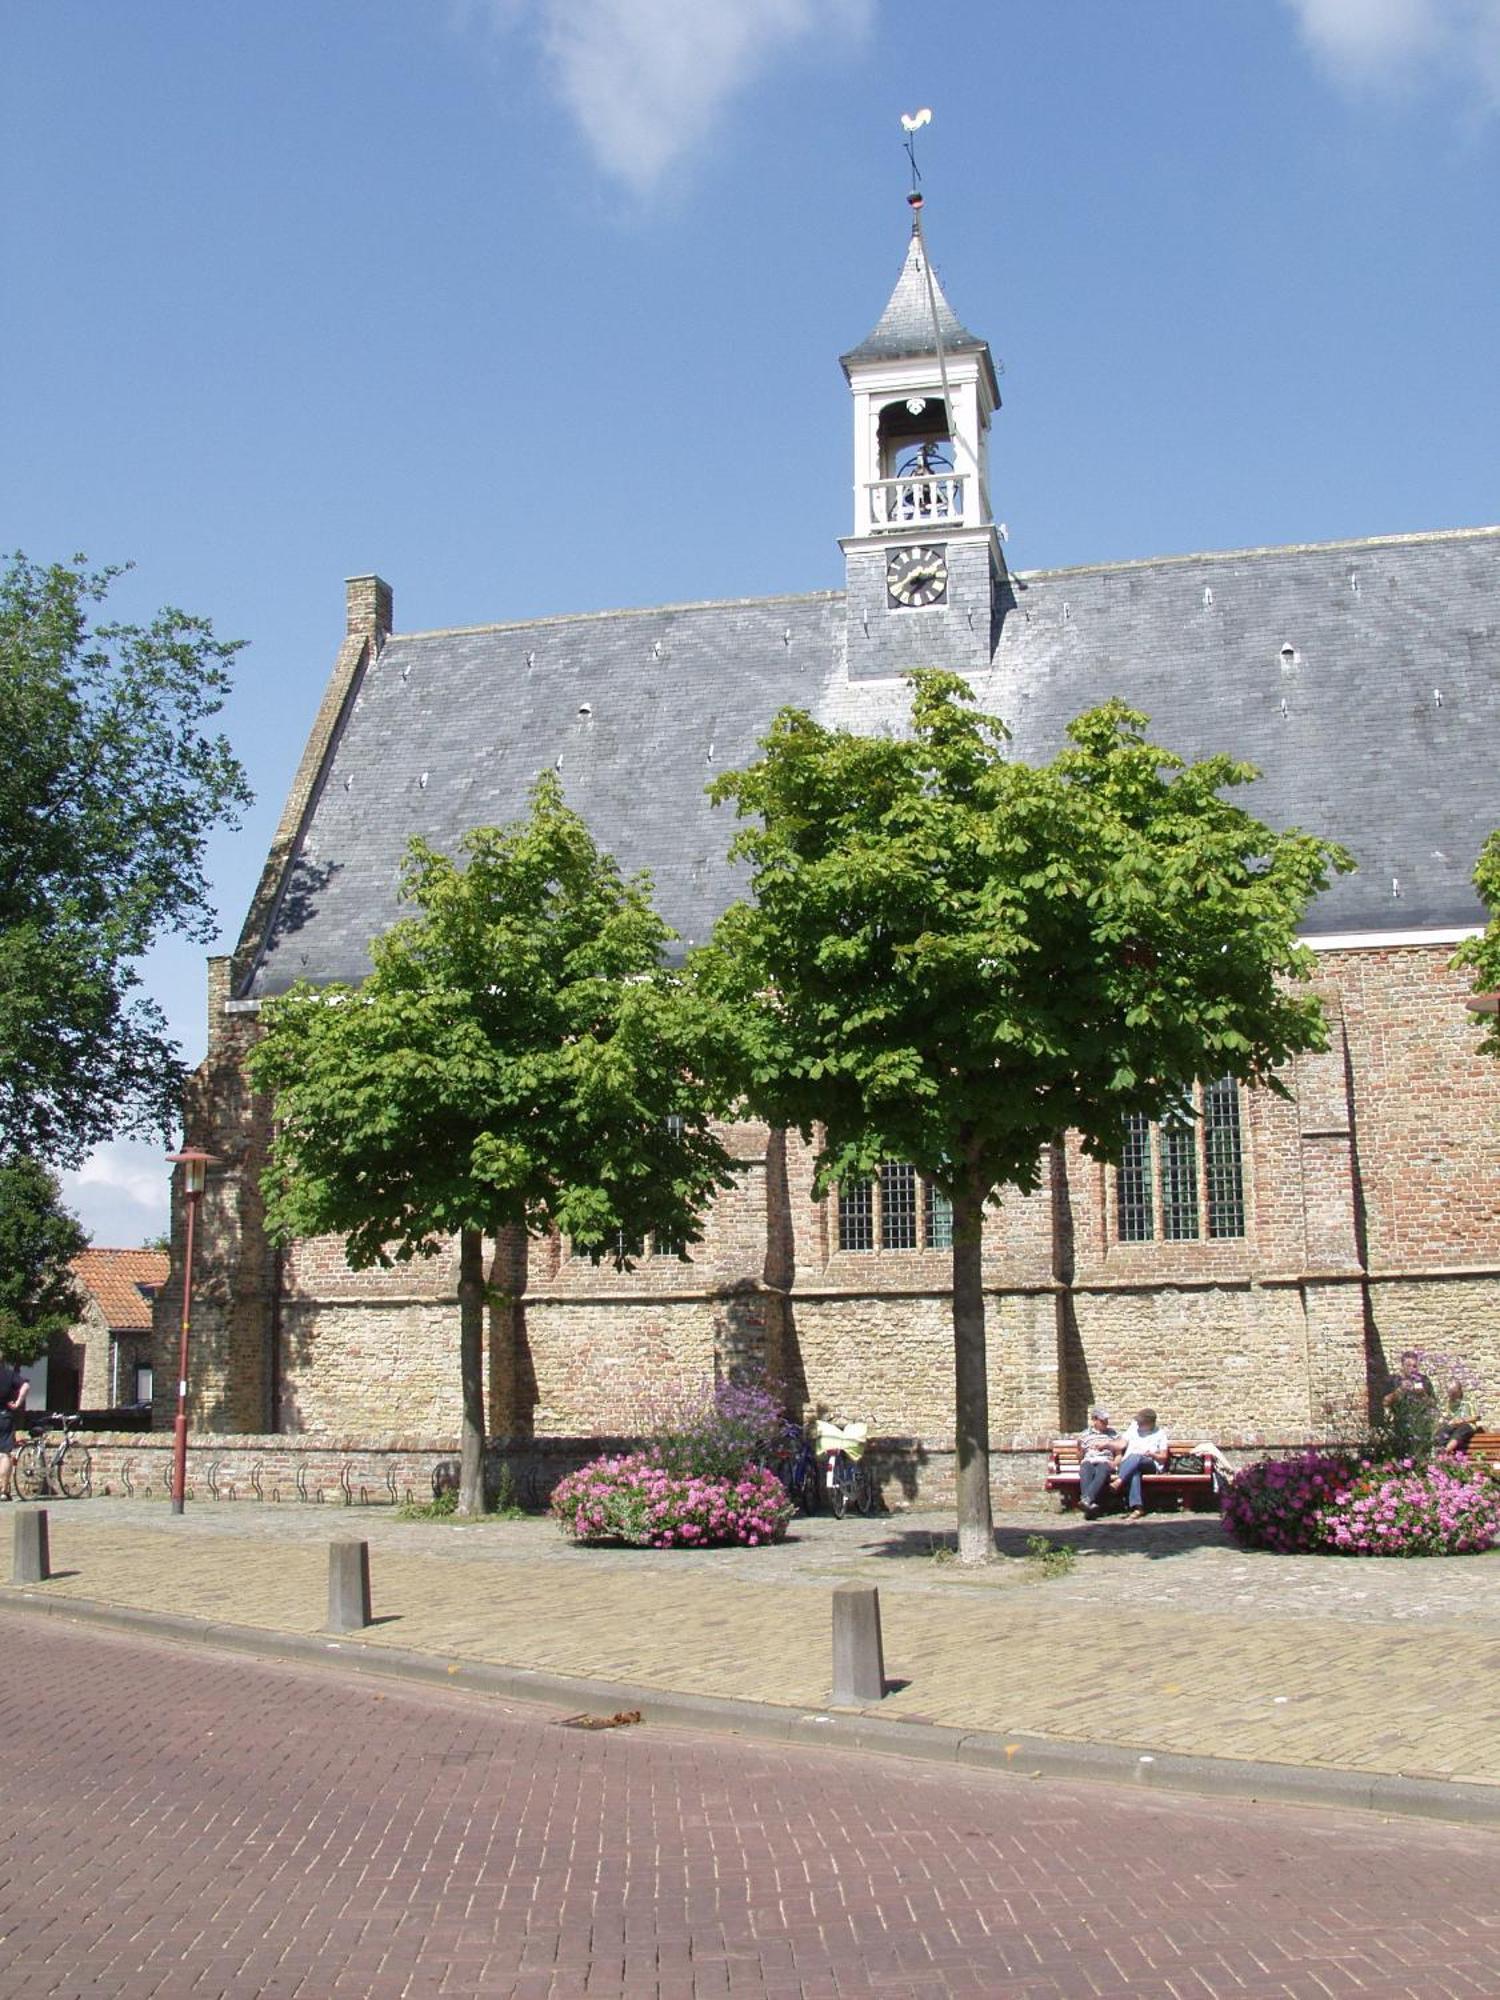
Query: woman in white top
{"type": "Point", "coordinates": [1142, 1448]}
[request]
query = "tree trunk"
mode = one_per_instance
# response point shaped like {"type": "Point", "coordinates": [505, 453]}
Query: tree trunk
{"type": "Point", "coordinates": [971, 1389]}
{"type": "Point", "coordinates": [471, 1370]}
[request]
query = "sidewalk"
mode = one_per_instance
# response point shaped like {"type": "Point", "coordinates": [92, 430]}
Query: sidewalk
{"type": "Point", "coordinates": [1165, 1642]}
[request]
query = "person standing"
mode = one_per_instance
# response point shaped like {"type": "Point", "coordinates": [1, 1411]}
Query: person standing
{"type": "Point", "coordinates": [1411, 1408]}
{"type": "Point", "coordinates": [1096, 1461]}
{"type": "Point", "coordinates": [14, 1389]}
{"type": "Point", "coordinates": [1143, 1448]}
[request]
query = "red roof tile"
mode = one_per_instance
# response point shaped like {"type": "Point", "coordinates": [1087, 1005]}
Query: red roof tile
{"type": "Point", "coordinates": [121, 1283]}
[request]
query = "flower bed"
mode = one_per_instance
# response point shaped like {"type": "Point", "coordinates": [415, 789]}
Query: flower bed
{"type": "Point", "coordinates": [637, 1500]}
{"type": "Point", "coordinates": [1324, 1504]}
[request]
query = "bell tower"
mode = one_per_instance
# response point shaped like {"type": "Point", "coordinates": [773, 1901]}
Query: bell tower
{"type": "Point", "coordinates": [925, 576]}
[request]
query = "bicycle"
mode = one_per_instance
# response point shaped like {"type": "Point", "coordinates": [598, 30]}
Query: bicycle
{"type": "Point", "coordinates": [799, 1474]}
{"type": "Point", "coordinates": [846, 1477]}
{"type": "Point", "coordinates": [791, 1458]}
{"type": "Point", "coordinates": [64, 1468]}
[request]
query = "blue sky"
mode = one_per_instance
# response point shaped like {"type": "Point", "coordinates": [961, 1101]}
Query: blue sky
{"type": "Point", "coordinates": [535, 305]}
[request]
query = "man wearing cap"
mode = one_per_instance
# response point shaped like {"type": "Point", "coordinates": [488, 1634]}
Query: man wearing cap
{"type": "Point", "coordinates": [1096, 1461]}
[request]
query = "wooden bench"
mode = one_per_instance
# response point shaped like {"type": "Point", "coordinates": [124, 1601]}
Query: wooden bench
{"type": "Point", "coordinates": [1485, 1445]}
{"type": "Point", "coordinates": [1166, 1489]}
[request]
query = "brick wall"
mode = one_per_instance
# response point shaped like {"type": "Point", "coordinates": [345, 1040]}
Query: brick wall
{"type": "Point", "coordinates": [1372, 1222]}
{"type": "Point", "coordinates": [392, 1471]}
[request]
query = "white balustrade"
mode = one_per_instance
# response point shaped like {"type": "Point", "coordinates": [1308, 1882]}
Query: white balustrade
{"type": "Point", "coordinates": [926, 497]}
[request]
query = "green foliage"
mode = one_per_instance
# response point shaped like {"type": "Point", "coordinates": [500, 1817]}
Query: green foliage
{"type": "Point", "coordinates": [1048, 1558]}
{"type": "Point", "coordinates": [108, 792]}
{"type": "Point", "coordinates": [506, 1503]}
{"type": "Point", "coordinates": [1405, 1428]}
{"type": "Point", "coordinates": [953, 958]}
{"type": "Point", "coordinates": [518, 1056]}
{"type": "Point", "coordinates": [38, 1239]}
{"type": "Point", "coordinates": [441, 1507]}
{"type": "Point", "coordinates": [1481, 955]}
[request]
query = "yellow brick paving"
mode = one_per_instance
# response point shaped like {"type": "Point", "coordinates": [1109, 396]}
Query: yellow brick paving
{"type": "Point", "coordinates": [1363, 1693]}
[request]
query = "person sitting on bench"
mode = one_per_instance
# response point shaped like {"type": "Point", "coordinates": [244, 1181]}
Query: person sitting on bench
{"type": "Point", "coordinates": [1143, 1448]}
{"type": "Point", "coordinates": [1460, 1421]}
{"type": "Point", "coordinates": [1096, 1461]}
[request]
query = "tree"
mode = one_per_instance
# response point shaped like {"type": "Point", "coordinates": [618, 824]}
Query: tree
{"type": "Point", "coordinates": [38, 1241]}
{"type": "Point", "coordinates": [1481, 955]}
{"type": "Point", "coordinates": [953, 959]}
{"type": "Point", "coordinates": [516, 1058]}
{"type": "Point", "coordinates": [108, 791]}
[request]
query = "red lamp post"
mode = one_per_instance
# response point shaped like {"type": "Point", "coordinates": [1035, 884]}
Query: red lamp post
{"type": "Point", "coordinates": [195, 1164]}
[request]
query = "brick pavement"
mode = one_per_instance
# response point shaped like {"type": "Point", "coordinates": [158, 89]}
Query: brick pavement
{"type": "Point", "coordinates": [179, 1825]}
{"type": "Point", "coordinates": [1164, 1638]}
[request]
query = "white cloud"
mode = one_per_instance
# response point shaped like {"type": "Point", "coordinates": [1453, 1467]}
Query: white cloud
{"type": "Point", "coordinates": [646, 81]}
{"type": "Point", "coordinates": [121, 1193]}
{"type": "Point", "coordinates": [1399, 45]}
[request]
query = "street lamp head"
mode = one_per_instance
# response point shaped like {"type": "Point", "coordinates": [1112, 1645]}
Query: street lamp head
{"type": "Point", "coordinates": [195, 1164]}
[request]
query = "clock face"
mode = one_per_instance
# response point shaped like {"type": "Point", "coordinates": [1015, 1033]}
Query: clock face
{"type": "Point", "coordinates": [914, 577]}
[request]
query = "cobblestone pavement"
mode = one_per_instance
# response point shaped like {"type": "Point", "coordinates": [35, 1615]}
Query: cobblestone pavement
{"type": "Point", "coordinates": [176, 1825]}
{"type": "Point", "coordinates": [1163, 1637]}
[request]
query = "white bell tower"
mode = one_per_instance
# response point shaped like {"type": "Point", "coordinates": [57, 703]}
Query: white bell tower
{"type": "Point", "coordinates": [925, 572]}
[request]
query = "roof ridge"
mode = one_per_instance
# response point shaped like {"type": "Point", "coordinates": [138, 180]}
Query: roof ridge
{"type": "Point", "coordinates": [624, 611]}
{"type": "Point", "coordinates": [1263, 549]}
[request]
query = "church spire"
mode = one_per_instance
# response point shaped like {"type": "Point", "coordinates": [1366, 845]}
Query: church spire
{"type": "Point", "coordinates": [925, 577]}
{"type": "Point", "coordinates": [904, 331]}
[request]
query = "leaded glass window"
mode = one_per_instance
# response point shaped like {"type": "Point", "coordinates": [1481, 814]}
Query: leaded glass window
{"type": "Point", "coordinates": [937, 1231]}
{"type": "Point", "coordinates": [1133, 1182]}
{"type": "Point", "coordinates": [1179, 1178]}
{"type": "Point", "coordinates": [1183, 1180]}
{"type": "Point", "coordinates": [857, 1215]}
{"type": "Point", "coordinates": [1223, 1172]}
{"type": "Point", "coordinates": [898, 1206]}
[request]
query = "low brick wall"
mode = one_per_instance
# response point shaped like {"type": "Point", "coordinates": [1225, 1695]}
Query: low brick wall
{"type": "Point", "coordinates": [358, 1472]}
{"type": "Point", "coordinates": [376, 1472]}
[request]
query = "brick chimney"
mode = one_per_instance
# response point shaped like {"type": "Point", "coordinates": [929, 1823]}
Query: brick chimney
{"type": "Point", "coordinates": [368, 606]}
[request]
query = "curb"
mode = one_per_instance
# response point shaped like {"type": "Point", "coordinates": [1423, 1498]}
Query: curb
{"type": "Point", "coordinates": [1463, 1802]}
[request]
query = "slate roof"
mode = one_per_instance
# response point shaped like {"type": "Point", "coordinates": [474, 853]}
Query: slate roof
{"type": "Point", "coordinates": [904, 329]}
{"type": "Point", "coordinates": [1362, 677]}
{"type": "Point", "coordinates": [121, 1283]}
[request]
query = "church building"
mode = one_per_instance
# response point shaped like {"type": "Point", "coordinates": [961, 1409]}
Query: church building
{"type": "Point", "coordinates": [1250, 1272]}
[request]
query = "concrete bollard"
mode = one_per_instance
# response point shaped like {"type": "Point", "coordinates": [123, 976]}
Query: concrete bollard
{"type": "Point", "coordinates": [858, 1658]}
{"type": "Point", "coordinates": [33, 1562]}
{"type": "Point", "coordinates": [348, 1586]}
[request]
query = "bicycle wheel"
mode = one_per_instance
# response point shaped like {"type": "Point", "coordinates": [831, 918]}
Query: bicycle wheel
{"type": "Point", "coordinates": [806, 1493]}
{"type": "Point", "coordinates": [838, 1490]}
{"type": "Point", "coordinates": [864, 1488]}
{"type": "Point", "coordinates": [75, 1472]}
{"type": "Point", "coordinates": [30, 1472]}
